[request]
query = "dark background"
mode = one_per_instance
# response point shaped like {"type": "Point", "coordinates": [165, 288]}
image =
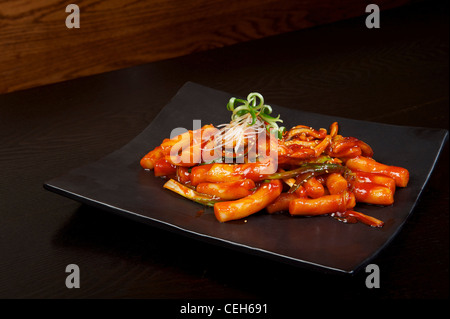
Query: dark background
{"type": "Point", "coordinates": [37, 47]}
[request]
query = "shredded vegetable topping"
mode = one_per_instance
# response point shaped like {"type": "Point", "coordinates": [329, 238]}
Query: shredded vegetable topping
{"type": "Point", "coordinates": [250, 118]}
{"type": "Point", "coordinates": [257, 111]}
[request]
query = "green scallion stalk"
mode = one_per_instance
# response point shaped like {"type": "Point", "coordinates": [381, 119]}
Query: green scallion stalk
{"type": "Point", "coordinates": [189, 193]}
{"type": "Point", "coordinates": [240, 107]}
{"type": "Point", "coordinates": [305, 168]}
{"type": "Point", "coordinates": [309, 170]}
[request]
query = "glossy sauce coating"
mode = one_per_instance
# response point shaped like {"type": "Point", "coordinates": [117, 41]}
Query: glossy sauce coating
{"type": "Point", "coordinates": [320, 206]}
{"type": "Point", "coordinates": [237, 209]}
{"type": "Point", "coordinates": [369, 165]}
{"type": "Point", "coordinates": [227, 190]}
{"type": "Point", "coordinates": [373, 194]}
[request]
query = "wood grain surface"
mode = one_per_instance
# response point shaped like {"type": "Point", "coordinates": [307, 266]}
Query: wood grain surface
{"type": "Point", "coordinates": [37, 48]}
{"type": "Point", "coordinates": [396, 75]}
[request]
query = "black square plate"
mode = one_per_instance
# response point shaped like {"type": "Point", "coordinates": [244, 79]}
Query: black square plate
{"type": "Point", "coordinates": [118, 184]}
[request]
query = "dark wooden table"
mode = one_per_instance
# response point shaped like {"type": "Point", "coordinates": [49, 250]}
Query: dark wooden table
{"type": "Point", "coordinates": [397, 74]}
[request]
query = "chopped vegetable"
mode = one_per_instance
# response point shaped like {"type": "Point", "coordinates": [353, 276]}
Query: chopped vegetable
{"type": "Point", "coordinates": [189, 193]}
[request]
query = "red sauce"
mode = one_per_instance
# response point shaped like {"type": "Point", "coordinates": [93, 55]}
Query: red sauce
{"type": "Point", "coordinates": [164, 168]}
{"type": "Point", "coordinates": [362, 191]}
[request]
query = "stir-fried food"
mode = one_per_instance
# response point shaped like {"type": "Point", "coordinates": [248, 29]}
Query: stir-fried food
{"type": "Point", "coordinates": [253, 165]}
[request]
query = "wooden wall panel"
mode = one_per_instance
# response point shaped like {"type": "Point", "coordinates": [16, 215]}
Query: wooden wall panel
{"type": "Point", "coordinates": [37, 48]}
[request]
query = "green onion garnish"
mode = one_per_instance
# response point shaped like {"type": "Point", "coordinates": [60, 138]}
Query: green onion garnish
{"type": "Point", "coordinates": [254, 105]}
